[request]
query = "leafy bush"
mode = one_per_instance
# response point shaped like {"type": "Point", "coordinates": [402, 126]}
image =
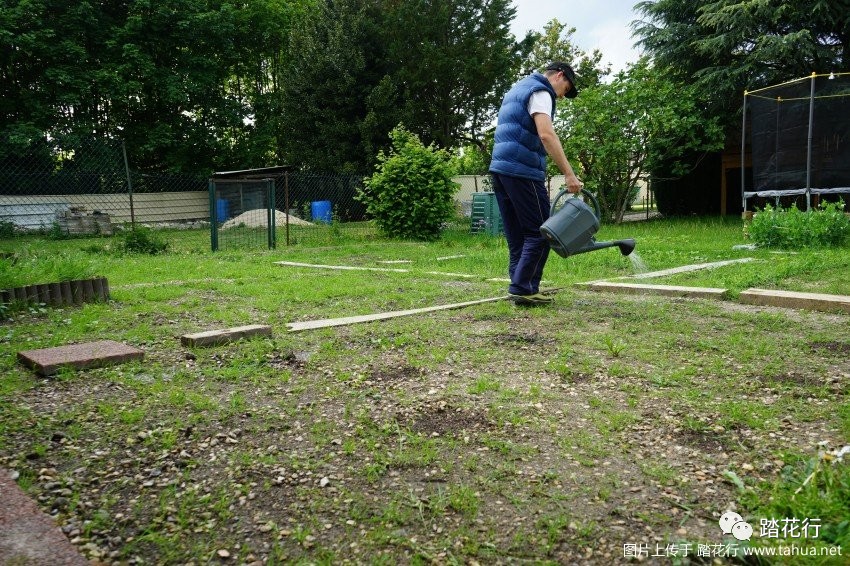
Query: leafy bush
{"type": "Point", "coordinates": [7, 229]}
{"type": "Point", "coordinates": [141, 240]}
{"type": "Point", "coordinates": [793, 228]}
{"type": "Point", "coordinates": [411, 194]}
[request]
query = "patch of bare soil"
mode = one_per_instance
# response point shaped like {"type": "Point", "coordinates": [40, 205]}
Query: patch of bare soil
{"type": "Point", "coordinates": [831, 347]}
{"type": "Point", "coordinates": [352, 448]}
{"type": "Point", "coordinates": [442, 420]}
{"type": "Point", "coordinates": [287, 360]}
{"type": "Point", "coordinates": [795, 378]}
{"type": "Point", "coordinates": [396, 374]}
{"type": "Point", "coordinates": [703, 440]}
{"type": "Point", "coordinates": [512, 339]}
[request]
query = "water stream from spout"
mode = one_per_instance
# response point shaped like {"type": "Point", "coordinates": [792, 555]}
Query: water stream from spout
{"type": "Point", "coordinates": [638, 264]}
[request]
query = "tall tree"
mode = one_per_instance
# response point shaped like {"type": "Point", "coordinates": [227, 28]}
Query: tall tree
{"type": "Point", "coordinates": [725, 46]}
{"type": "Point", "coordinates": [338, 63]}
{"type": "Point", "coordinates": [619, 132]}
{"type": "Point", "coordinates": [361, 67]}
{"type": "Point", "coordinates": [453, 60]}
{"type": "Point", "coordinates": [190, 85]}
{"type": "Point", "coordinates": [176, 63]}
{"type": "Point", "coordinates": [51, 56]}
{"type": "Point", "coordinates": [556, 44]}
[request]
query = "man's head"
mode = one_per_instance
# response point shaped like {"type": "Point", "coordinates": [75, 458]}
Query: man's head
{"type": "Point", "coordinates": [563, 79]}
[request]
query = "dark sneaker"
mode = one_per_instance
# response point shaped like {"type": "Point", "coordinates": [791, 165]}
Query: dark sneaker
{"type": "Point", "coordinates": [531, 300]}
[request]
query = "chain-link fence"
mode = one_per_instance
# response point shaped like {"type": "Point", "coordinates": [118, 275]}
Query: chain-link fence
{"type": "Point", "coordinates": [321, 208]}
{"type": "Point", "coordinates": [87, 187]}
{"type": "Point", "coordinates": [284, 206]}
{"type": "Point", "coordinates": [84, 187]}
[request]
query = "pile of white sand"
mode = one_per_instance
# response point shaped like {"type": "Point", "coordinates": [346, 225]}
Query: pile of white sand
{"type": "Point", "coordinates": [258, 218]}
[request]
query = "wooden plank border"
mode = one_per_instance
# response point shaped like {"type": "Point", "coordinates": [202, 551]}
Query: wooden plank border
{"type": "Point", "coordinates": [330, 322]}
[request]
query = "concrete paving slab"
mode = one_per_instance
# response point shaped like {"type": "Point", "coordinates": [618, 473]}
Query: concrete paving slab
{"type": "Point", "coordinates": [794, 300]}
{"type": "Point", "coordinates": [665, 290]}
{"type": "Point", "coordinates": [48, 361]}
{"type": "Point", "coordinates": [28, 536]}
{"type": "Point", "coordinates": [218, 337]}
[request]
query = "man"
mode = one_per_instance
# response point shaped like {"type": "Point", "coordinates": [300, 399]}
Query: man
{"type": "Point", "coordinates": [524, 136]}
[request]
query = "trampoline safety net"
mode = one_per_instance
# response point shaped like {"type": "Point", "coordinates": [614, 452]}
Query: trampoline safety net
{"type": "Point", "coordinates": [800, 135]}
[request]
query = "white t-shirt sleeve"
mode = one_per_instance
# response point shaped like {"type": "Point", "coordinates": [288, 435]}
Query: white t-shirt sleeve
{"type": "Point", "coordinates": [540, 102]}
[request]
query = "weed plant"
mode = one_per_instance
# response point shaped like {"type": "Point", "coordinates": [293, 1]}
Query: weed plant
{"type": "Point", "coordinates": [791, 228]}
{"type": "Point", "coordinates": [142, 240]}
{"type": "Point", "coordinates": [815, 488]}
{"type": "Point", "coordinates": [29, 268]}
{"type": "Point", "coordinates": [7, 229]}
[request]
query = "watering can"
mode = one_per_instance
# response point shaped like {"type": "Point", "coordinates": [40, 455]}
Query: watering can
{"type": "Point", "coordinates": [571, 227]}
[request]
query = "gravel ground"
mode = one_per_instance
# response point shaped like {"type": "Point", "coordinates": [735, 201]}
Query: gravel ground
{"type": "Point", "coordinates": [483, 436]}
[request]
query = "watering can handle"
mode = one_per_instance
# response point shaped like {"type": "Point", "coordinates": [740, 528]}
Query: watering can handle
{"type": "Point", "coordinates": [566, 194]}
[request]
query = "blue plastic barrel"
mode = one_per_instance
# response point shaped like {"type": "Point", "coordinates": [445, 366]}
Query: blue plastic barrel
{"type": "Point", "coordinates": [321, 211]}
{"type": "Point", "coordinates": [222, 210]}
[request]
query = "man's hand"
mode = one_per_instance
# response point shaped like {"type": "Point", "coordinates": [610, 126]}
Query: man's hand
{"type": "Point", "coordinates": [574, 185]}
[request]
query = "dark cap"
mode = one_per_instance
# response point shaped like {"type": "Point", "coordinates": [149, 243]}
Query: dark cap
{"type": "Point", "coordinates": [568, 73]}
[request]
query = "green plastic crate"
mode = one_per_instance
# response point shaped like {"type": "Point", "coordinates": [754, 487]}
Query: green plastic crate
{"type": "Point", "coordinates": [486, 218]}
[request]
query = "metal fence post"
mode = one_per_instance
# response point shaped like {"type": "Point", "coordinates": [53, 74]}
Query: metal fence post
{"type": "Point", "coordinates": [809, 146]}
{"type": "Point", "coordinates": [286, 202]}
{"type": "Point", "coordinates": [213, 218]}
{"type": "Point", "coordinates": [743, 158]}
{"type": "Point", "coordinates": [129, 185]}
{"type": "Point", "coordinates": [272, 213]}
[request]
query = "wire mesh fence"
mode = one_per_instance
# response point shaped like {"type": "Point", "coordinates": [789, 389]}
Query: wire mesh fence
{"type": "Point", "coordinates": [242, 213]}
{"type": "Point", "coordinates": [80, 187]}
{"type": "Point", "coordinates": [285, 206]}
{"type": "Point", "coordinates": [86, 187]}
{"type": "Point", "coordinates": [322, 208]}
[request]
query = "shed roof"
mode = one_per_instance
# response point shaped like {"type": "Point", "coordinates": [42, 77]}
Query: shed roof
{"type": "Point", "coordinates": [259, 173]}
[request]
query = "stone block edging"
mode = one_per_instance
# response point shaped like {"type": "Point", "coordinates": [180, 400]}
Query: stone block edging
{"type": "Point", "coordinates": [75, 292]}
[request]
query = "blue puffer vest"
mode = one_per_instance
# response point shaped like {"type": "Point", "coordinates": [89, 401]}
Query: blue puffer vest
{"type": "Point", "coordinates": [517, 150]}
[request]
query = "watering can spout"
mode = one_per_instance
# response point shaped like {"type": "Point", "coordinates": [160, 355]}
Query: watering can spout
{"type": "Point", "coordinates": [626, 246]}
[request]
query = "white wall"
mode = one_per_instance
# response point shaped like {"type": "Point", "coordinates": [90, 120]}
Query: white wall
{"type": "Point", "coordinates": [481, 183]}
{"type": "Point", "coordinates": [32, 211]}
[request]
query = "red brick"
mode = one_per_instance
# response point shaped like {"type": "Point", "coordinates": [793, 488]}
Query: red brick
{"type": "Point", "coordinates": [216, 337]}
{"type": "Point", "coordinates": [79, 356]}
{"type": "Point", "coordinates": [28, 536]}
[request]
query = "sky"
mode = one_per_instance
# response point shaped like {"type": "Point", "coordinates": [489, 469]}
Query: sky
{"type": "Point", "coordinates": [600, 24]}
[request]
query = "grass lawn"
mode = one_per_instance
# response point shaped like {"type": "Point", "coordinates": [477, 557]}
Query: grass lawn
{"type": "Point", "coordinates": [602, 428]}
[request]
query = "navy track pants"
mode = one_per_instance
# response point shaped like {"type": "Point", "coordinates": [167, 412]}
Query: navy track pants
{"type": "Point", "coordinates": [524, 205]}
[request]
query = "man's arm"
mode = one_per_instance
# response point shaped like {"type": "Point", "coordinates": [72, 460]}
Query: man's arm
{"type": "Point", "coordinates": [553, 147]}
